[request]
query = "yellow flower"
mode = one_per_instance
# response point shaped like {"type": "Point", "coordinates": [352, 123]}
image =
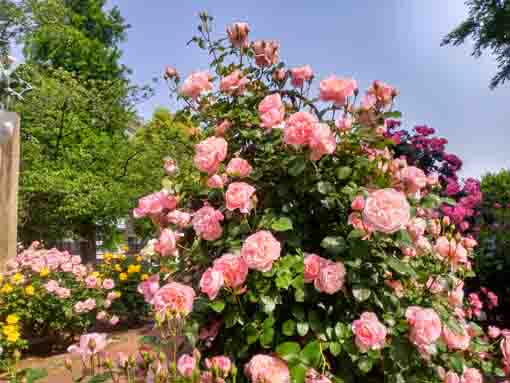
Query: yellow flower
{"type": "Point", "coordinates": [12, 319]}
{"type": "Point", "coordinates": [138, 259]}
{"type": "Point", "coordinates": [124, 248]}
{"type": "Point", "coordinates": [122, 256]}
{"type": "Point", "coordinates": [17, 278]}
{"type": "Point", "coordinates": [13, 337]}
{"type": "Point", "coordinates": [96, 274]}
{"type": "Point", "coordinates": [29, 290]}
{"type": "Point", "coordinates": [133, 269]}
{"type": "Point", "coordinates": [144, 277]}
{"type": "Point", "coordinates": [6, 289]}
{"type": "Point", "coordinates": [9, 329]}
{"type": "Point", "coordinates": [1, 278]}
{"type": "Point", "coordinates": [44, 272]}
{"type": "Point", "coordinates": [118, 294]}
{"type": "Point", "coordinates": [108, 256]}
{"type": "Point", "coordinates": [123, 276]}
{"type": "Point", "coordinates": [118, 268]}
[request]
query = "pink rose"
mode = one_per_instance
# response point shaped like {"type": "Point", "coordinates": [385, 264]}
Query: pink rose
{"type": "Point", "coordinates": [234, 83]}
{"type": "Point", "coordinates": [471, 375]}
{"type": "Point", "coordinates": [425, 325]}
{"type": "Point", "coordinates": [196, 84]}
{"type": "Point", "coordinates": [101, 315]}
{"type": "Point", "coordinates": [63, 293]}
{"type": "Point", "coordinates": [89, 304]}
{"type": "Point", "coordinates": [206, 223]}
{"type": "Point", "coordinates": [469, 242]}
{"type": "Point", "coordinates": [298, 128]}
{"type": "Point", "coordinates": [176, 297]}
{"type": "Point", "coordinates": [331, 278]}
{"type": "Point", "coordinates": [91, 282]}
{"type": "Point", "coordinates": [75, 259]}
{"type": "Point", "coordinates": [167, 243]}
{"type": "Point", "coordinates": [369, 332]}
{"type": "Point", "coordinates": [382, 92]}
{"type": "Point", "coordinates": [108, 284]}
{"type": "Point", "coordinates": [222, 363]}
{"type": "Point", "coordinates": [494, 332]}
{"type": "Point", "coordinates": [170, 166]}
{"type": "Point", "coordinates": [416, 228]}
{"type": "Point", "coordinates": [238, 34]}
{"type": "Point", "coordinates": [279, 75]}
{"type": "Point", "coordinates": [301, 74]}
{"type": "Point", "coordinates": [454, 340]}
{"type": "Point", "coordinates": [344, 124]}
{"type": "Point", "coordinates": [238, 167]}
{"type": "Point", "coordinates": [186, 364]}
{"type": "Point", "coordinates": [368, 101]}
{"type": "Point", "coordinates": [436, 285]}
{"type": "Point", "coordinates": [114, 320]}
{"type": "Point", "coordinates": [234, 269]}
{"type": "Point", "coordinates": [397, 287]}
{"type": "Point", "coordinates": [271, 111]}
{"type": "Point", "coordinates": [313, 265]}
{"type": "Point", "coordinates": [216, 182]}
{"type": "Point", "coordinates": [322, 141]}
{"type": "Point", "coordinates": [264, 369]}
{"type": "Point", "coordinates": [260, 250]}
{"type": "Point", "coordinates": [239, 195]}
{"type": "Point", "coordinates": [209, 154]}
{"type": "Point", "coordinates": [51, 286]}
{"type": "Point", "coordinates": [423, 245]}
{"type": "Point", "coordinates": [337, 89]}
{"type": "Point", "coordinates": [387, 211]}
{"type": "Point", "coordinates": [211, 282]}
{"type": "Point", "coordinates": [358, 203]}
{"type": "Point", "coordinates": [451, 377]}
{"type": "Point", "coordinates": [154, 204]}
{"type": "Point", "coordinates": [148, 287]}
{"type": "Point", "coordinates": [66, 267]}
{"type": "Point", "coordinates": [505, 348]}
{"type": "Point", "coordinates": [413, 178]}
{"type": "Point", "coordinates": [222, 128]}
{"type": "Point", "coordinates": [456, 296]}
{"type": "Point", "coordinates": [266, 52]}
{"type": "Point", "coordinates": [90, 344]}
{"type": "Point", "coordinates": [179, 218]}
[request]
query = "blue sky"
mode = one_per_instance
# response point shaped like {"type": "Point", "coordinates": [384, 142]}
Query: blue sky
{"type": "Point", "coordinates": [396, 41]}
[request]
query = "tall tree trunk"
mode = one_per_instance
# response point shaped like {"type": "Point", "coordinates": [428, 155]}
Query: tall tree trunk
{"type": "Point", "coordinates": [88, 245]}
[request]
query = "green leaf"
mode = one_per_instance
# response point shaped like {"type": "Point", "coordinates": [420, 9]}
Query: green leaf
{"type": "Point", "coordinates": [267, 337]}
{"type": "Point", "coordinates": [302, 328]}
{"type": "Point", "coordinates": [341, 331]}
{"type": "Point", "coordinates": [400, 267]}
{"type": "Point", "coordinates": [365, 365]}
{"type": "Point", "coordinates": [315, 321]}
{"type": "Point", "coordinates": [282, 224]}
{"type": "Point", "coordinates": [298, 312]}
{"type": "Point", "coordinates": [35, 374]}
{"type": "Point", "coordinates": [217, 305]}
{"type": "Point", "coordinates": [289, 327]}
{"type": "Point", "coordinates": [335, 348]}
{"type": "Point", "coordinates": [288, 351]}
{"type": "Point", "coordinates": [268, 304]}
{"type": "Point", "coordinates": [394, 114]}
{"type": "Point", "coordinates": [297, 166]}
{"type": "Point", "coordinates": [361, 294]}
{"type": "Point", "coordinates": [343, 173]}
{"type": "Point", "coordinates": [325, 187]}
{"type": "Point", "coordinates": [311, 353]}
{"type": "Point", "coordinates": [457, 363]}
{"type": "Point", "coordinates": [298, 373]}
{"type": "Point", "coordinates": [334, 245]}
{"type": "Point", "coordinates": [101, 378]}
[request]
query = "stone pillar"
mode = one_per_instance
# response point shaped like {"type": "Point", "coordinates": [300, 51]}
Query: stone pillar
{"type": "Point", "coordinates": [9, 170]}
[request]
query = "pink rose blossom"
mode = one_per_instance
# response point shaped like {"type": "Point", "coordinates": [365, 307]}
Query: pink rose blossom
{"type": "Point", "coordinates": [451, 377]}
{"type": "Point", "coordinates": [416, 228]}
{"type": "Point", "coordinates": [238, 167]}
{"type": "Point", "coordinates": [63, 292]}
{"type": "Point", "coordinates": [260, 250]}
{"type": "Point", "coordinates": [196, 84]}
{"type": "Point", "coordinates": [425, 325]}
{"type": "Point", "coordinates": [370, 334]}
{"type": "Point", "coordinates": [89, 304]}
{"type": "Point", "coordinates": [222, 128]}
{"type": "Point", "coordinates": [358, 203]}
{"type": "Point", "coordinates": [176, 297]}
{"type": "Point", "coordinates": [112, 295]}
{"type": "Point", "coordinates": [101, 315]}
{"type": "Point", "coordinates": [149, 287]}
{"type": "Point", "coordinates": [298, 128]}
{"type": "Point", "coordinates": [368, 101]}
{"type": "Point", "coordinates": [238, 34]}
{"type": "Point", "coordinates": [469, 242]}
{"type": "Point", "coordinates": [383, 93]}
{"type": "Point", "coordinates": [387, 211]}
{"type": "Point", "coordinates": [397, 287]}
{"type": "Point", "coordinates": [90, 344]}
{"type": "Point", "coordinates": [114, 320]}
{"type": "Point", "coordinates": [331, 278]}
{"type": "Point", "coordinates": [211, 282]}
{"type": "Point", "coordinates": [216, 182]}
{"type": "Point", "coordinates": [471, 375]}
{"type": "Point", "coordinates": [301, 74]}
{"type": "Point", "coordinates": [234, 83]}
{"type": "Point", "coordinates": [423, 246]}
{"type": "Point", "coordinates": [167, 243]}
{"type": "Point", "coordinates": [454, 340]}
{"type": "Point", "coordinates": [234, 269]}
{"type": "Point", "coordinates": [505, 349]}
{"type": "Point", "coordinates": [66, 267]}
{"type": "Point", "coordinates": [266, 52]}
{"type": "Point", "coordinates": [264, 369]}
{"type": "Point", "coordinates": [456, 296]}
{"type": "Point", "coordinates": [210, 153]}
{"type": "Point", "coordinates": [436, 285]}
{"type": "Point", "coordinates": [222, 363]}
{"type": "Point", "coordinates": [107, 304]}
{"type": "Point", "coordinates": [186, 364]}
{"type": "Point", "coordinates": [76, 260]}
{"type": "Point", "coordinates": [170, 166]}
{"type": "Point", "coordinates": [91, 282]}
{"type": "Point", "coordinates": [51, 286]}
{"type": "Point", "coordinates": [271, 111]}
{"type": "Point", "coordinates": [413, 178]}
{"type": "Point", "coordinates": [322, 141]}
{"type": "Point", "coordinates": [494, 332]}
{"type": "Point", "coordinates": [206, 223]}
{"type": "Point", "coordinates": [313, 265]}
{"type": "Point", "coordinates": [154, 204]}
{"type": "Point", "coordinates": [179, 218]}
{"type": "Point", "coordinates": [337, 89]}
{"type": "Point", "coordinates": [239, 195]}
{"type": "Point", "coordinates": [344, 124]}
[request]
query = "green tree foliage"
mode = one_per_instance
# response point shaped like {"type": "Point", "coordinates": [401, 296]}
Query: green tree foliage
{"type": "Point", "coordinates": [488, 25]}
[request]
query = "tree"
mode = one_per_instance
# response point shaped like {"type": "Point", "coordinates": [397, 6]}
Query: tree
{"type": "Point", "coordinates": [487, 24]}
